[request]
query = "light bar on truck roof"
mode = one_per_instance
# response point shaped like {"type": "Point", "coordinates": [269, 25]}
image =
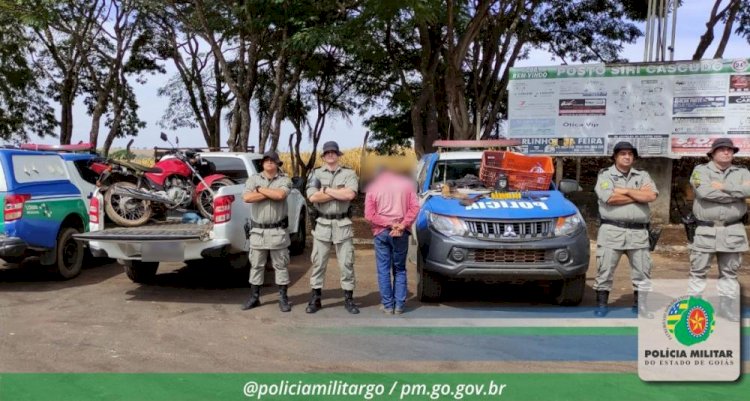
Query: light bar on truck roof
{"type": "Point", "coordinates": [79, 147]}
{"type": "Point", "coordinates": [489, 143]}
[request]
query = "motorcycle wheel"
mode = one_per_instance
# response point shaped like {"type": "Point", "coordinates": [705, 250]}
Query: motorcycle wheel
{"type": "Point", "coordinates": [204, 202]}
{"type": "Point", "coordinates": [124, 210]}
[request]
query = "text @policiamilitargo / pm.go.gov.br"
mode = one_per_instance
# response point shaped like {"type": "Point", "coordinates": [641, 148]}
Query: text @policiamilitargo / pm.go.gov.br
{"type": "Point", "coordinates": [393, 390]}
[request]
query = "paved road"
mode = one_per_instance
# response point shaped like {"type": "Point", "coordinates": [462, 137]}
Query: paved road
{"type": "Point", "coordinates": [189, 321]}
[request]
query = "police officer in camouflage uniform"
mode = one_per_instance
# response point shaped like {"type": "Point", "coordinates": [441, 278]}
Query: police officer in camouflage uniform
{"type": "Point", "coordinates": [624, 194]}
{"type": "Point", "coordinates": [719, 207]}
{"type": "Point", "coordinates": [267, 191]}
{"type": "Point", "coordinates": [330, 189]}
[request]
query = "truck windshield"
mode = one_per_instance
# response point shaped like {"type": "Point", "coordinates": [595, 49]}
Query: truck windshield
{"type": "Point", "coordinates": [454, 170]}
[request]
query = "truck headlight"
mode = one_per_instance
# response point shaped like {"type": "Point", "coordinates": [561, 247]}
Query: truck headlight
{"type": "Point", "coordinates": [447, 225]}
{"type": "Point", "coordinates": [568, 225]}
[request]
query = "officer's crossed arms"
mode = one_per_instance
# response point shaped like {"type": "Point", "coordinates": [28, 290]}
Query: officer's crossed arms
{"type": "Point", "coordinates": [325, 194]}
{"type": "Point", "coordinates": [716, 191]}
{"type": "Point", "coordinates": [624, 196]}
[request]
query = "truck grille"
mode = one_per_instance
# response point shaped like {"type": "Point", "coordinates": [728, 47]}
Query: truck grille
{"type": "Point", "coordinates": [507, 255]}
{"type": "Point", "coordinates": [511, 230]}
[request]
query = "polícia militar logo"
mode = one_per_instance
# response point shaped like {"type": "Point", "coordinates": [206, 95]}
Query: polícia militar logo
{"type": "Point", "coordinates": [689, 320]}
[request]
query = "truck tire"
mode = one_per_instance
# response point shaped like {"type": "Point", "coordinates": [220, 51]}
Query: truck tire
{"type": "Point", "coordinates": [297, 247]}
{"type": "Point", "coordinates": [68, 254]}
{"type": "Point", "coordinates": [429, 285]}
{"type": "Point", "coordinates": [140, 272]}
{"type": "Point", "coordinates": [570, 290]}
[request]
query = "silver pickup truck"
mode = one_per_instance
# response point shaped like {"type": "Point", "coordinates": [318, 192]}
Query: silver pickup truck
{"type": "Point", "coordinates": [140, 249]}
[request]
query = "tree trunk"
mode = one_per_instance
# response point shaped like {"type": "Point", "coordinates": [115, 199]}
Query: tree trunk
{"type": "Point", "coordinates": [734, 9]}
{"type": "Point", "coordinates": [66, 120]}
{"type": "Point", "coordinates": [708, 37]}
{"type": "Point", "coordinates": [244, 134]}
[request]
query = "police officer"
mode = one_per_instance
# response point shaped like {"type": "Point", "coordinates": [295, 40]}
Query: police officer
{"type": "Point", "coordinates": [624, 194]}
{"type": "Point", "coordinates": [719, 207]}
{"type": "Point", "coordinates": [267, 191]}
{"type": "Point", "coordinates": [330, 189]}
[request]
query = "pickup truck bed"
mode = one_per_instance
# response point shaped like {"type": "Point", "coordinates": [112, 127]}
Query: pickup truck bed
{"type": "Point", "coordinates": [151, 232]}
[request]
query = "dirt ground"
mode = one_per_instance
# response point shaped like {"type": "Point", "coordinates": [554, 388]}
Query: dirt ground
{"type": "Point", "coordinates": [190, 320]}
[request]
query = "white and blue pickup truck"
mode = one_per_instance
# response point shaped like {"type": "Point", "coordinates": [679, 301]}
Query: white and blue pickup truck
{"type": "Point", "coordinates": [141, 249]}
{"type": "Point", "coordinates": [535, 236]}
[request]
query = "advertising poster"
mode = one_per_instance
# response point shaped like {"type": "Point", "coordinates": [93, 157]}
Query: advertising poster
{"type": "Point", "coordinates": [666, 107]}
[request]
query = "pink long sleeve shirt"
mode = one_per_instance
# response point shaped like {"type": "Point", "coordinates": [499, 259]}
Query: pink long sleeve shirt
{"type": "Point", "coordinates": [391, 199]}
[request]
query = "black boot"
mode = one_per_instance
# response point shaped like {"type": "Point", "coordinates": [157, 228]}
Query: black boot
{"type": "Point", "coordinates": [284, 305]}
{"type": "Point", "coordinates": [349, 302]}
{"type": "Point", "coordinates": [726, 311]}
{"type": "Point", "coordinates": [641, 306]}
{"type": "Point", "coordinates": [254, 298]}
{"type": "Point", "coordinates": [601, 303]}
{"type": "Point", "coordinates": [314, 305]}
{"type": "Point", "coordinates": [634, 308]}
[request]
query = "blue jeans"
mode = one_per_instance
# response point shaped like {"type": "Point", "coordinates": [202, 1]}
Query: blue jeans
{"type": "Point", "coordinates": [390, 257]}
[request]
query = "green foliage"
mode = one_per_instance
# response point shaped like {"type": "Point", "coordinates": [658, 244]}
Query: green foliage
{"type": "Point", "coordinates": [23, 109]}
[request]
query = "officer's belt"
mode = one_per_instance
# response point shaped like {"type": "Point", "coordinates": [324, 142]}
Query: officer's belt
{"type": "Point", "coordinates": [336, 216]}
{"type": "Point", "coordinates": [622, 224]}
{"type": "Point", "coordinates": [704, 223]}
{"type": "Point", "coordinates": [279, 224]}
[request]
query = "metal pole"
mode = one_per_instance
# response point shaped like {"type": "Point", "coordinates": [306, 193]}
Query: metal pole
{"type": "Point", "coordinates": [675, 5]}
{"type": "Point", "coordinates": [652, 37]}
{"type": "Point", "coordinates": [664, 33]}
{"type": "Point", "coordinates": [648, 18]}
{"type": "Point", "coordinates": [657, 39]}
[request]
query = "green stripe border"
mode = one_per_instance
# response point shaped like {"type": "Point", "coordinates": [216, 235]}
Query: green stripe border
{"type": "Point", "coordinates": [208, 387]}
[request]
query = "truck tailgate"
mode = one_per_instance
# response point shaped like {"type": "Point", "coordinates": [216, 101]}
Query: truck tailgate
{"type": "Point", "coordinates": [150, 232]}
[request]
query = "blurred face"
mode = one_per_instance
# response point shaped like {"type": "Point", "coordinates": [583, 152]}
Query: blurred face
{"type": "Point", "coordinates": [270, 167]}
{"type": "Point", "coordinates": [723, 155]}
{"type": "Point", "coordinates": [331, 157]}
{"type": "Point", "coordinates": [624, 159]}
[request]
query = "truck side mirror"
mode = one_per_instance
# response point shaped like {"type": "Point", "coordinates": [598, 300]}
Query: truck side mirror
{"type": "Point", "coordinates": [568, 185]}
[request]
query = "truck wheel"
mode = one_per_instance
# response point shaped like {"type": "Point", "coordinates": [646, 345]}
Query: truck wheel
{"type": "Point", "coordinates": [297, 247]}
{"type": "Point", "coordinates": [570, 290]}
{"type": "Point", "coordinates": [429, 285]}
{"type": "Point", "coordinates": [140, 272]}
{"type": "Point", "coordinates": [68, 253]}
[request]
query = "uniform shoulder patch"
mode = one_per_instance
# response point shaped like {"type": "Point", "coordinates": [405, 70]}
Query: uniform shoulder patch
{"type": "Point", "coordinates": [695, 178]}
{"type": "Point", "coordinates": [604, 184]}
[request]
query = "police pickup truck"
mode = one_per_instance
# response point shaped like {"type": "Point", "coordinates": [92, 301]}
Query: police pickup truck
{"type": "Point", "coordinates": [529, 235]}
{"type": "Point", "coordinates": [141, 249]}
{"type": "Point", "coordinates": [44, 191]}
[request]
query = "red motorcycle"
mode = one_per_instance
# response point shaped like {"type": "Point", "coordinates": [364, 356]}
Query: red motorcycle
{"type": "Point", "coordinates": [133, 192]}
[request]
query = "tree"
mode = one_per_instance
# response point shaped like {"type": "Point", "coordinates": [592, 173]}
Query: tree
{"type": "Point", "coordinates": [243, 27]}
{"type": "Point", "coordinates": [327, 90]}
{"type": "Point", "coordinates": [197, 94]}
{"type": "Point", "coordinates": [23, 109]}
{"type": "Point", "coordinates": [120, 51]}
{"type": "Point", "coordinates": [726, 13]}
{"type": "Point", "coordinates": [67, 35]}
{"type": "Point", "coordinates": [451, 58]}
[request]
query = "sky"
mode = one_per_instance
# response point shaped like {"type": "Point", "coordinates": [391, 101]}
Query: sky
{"type": "Point", "coordinates": [691, 19]}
